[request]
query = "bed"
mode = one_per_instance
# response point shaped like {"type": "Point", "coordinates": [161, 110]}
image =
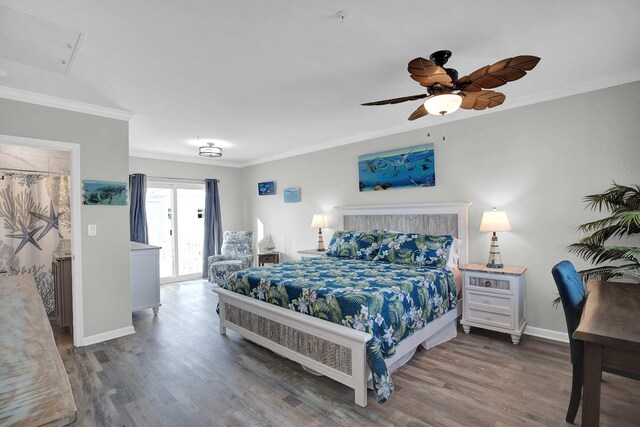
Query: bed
{"type": "Point", "coordinates": [315, 311]}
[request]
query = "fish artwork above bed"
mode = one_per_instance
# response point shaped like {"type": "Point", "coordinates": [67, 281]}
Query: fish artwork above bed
{"type": "Point", "coordinates": [399, 168]}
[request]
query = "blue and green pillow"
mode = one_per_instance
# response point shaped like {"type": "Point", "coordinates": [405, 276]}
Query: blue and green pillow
{"type": "Point", "coordinates": [415, 249]}
{"type": "Point", "coordinates": [362, 245]}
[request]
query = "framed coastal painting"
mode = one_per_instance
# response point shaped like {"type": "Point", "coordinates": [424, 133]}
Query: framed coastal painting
{"type": "Point", "coordinates": [267, 188]}
{"type": "Point", "coordinates": [104, 193]}
{"type": "Point", "coordinates": [291, 194]}
{"type": "Point", "coordinates": [401, 168]}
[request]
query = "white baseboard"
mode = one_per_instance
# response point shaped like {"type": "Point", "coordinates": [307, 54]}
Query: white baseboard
{"type": "Point", "coordinates": [547, 333]}
{"type": "Point", "coordinates": [105, 336]}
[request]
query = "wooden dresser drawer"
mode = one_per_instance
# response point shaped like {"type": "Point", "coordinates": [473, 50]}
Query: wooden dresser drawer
{"type": "Point", "coordinates": [490, 300]}
{"type": "Point", "coordinates": [486, 317]}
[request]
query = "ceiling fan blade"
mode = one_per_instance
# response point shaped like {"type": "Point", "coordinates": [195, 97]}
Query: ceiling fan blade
{"type": "Point", "coordinates": [481, 100]}
{"type": "Point", "coordinates": [427, 73]}
{"type": "Point", "coordinates": [498, 74]}
{"type": "Point", "coordinates": [398, 100]}
{"type": "Point", "coordinates": [420, 112]}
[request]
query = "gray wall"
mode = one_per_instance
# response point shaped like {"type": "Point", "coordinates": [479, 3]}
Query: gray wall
{"type": "Point", "coordinates": [230, 183]}
{"type": "Point", "coordinates": [104, 149]}
{"type": "Point", "coordinates": [536, 162]}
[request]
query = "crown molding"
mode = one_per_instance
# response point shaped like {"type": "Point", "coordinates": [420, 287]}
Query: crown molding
{"type": "Point", "coordinates": [184, 159]}
{"type": "Point", "coordinates": [64, 104]}
{"type": "Point", "coordinates": [459, 115]}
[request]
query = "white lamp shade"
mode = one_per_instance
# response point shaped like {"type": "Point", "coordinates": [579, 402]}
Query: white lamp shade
{"type": "Point", "coordinates": [443, 104]}
{"type": "Point", "coordinates": [495, 221]}
{"type": "Point", "coordinates": [319, 221]}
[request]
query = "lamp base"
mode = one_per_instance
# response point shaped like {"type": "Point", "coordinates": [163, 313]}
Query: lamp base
{"type": "Point", "coordinates": [495, 260]}
{"type": "Point", "coordinates": [320, 241]}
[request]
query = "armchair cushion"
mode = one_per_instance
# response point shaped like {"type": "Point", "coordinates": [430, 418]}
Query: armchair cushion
{"type": "Point", "coordinates": [247, 261]}
{"type": "Point", "coordinates": [220, 270]}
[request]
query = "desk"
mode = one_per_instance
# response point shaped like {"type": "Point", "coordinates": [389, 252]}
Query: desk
{"type": "Point", "coordinates": [610, 329]}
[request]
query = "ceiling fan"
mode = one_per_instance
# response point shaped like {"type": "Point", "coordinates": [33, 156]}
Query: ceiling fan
{"type": "Point", "coordinates": [446, 92]}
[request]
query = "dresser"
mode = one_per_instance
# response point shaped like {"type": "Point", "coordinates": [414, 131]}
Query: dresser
{"type": "Point", "coordinates": [145, 277]}
{"type": "Point", "coordinates": [62, 285]}
{"type": "Point", "coordinates": [493, 298]}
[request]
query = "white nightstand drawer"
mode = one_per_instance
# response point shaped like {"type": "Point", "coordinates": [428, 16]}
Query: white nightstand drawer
{"type": "Point", "coordinates": [489, 300]}
{"type": "Point", "coordinates": [490, 284]}
{"type": "Point", "coordinates": [500, 320]}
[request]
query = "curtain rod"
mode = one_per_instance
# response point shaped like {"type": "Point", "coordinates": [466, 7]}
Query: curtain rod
{"type": "Point", "coordinates": [179, 179]}
{"type": "Point", "coordinates": [33, 171]}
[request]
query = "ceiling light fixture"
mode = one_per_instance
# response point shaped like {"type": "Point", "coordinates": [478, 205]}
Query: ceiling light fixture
{"type": "Point", "coordinates": [443, 104]}
{"type": "Point", "coordinates": [210, 150]}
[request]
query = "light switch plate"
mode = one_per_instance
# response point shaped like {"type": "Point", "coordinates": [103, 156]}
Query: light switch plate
{"type": "Point", "coordinates": [93, 230]}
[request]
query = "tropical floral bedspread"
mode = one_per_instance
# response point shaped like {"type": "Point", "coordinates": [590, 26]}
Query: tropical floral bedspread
{"type": "Point", "coordinates": [389, 301]}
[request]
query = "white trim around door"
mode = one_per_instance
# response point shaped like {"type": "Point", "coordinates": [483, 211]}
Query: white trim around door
{"type": "Point", "coordinates": [76, 225]}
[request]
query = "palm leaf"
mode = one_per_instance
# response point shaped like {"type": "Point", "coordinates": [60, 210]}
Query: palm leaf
{"type": "Point", "coordinates": [618, 198]}
{"type": "Point", "coordinates": [597, 254]}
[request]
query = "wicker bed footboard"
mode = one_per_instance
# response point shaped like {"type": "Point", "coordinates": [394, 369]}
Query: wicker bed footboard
{"type": "Point", "coordinates": [321, 346]}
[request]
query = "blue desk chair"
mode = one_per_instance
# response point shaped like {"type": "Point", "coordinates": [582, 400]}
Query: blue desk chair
{"type": "Point", "coordinates": [573, 297]}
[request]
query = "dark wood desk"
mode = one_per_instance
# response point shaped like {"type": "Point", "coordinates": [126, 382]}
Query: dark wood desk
{"type": "Point", "coordinates": [610, 329]}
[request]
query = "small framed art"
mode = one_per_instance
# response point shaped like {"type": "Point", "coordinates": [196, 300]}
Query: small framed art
{"type": "Point", "coordinates": [104, 193]}
{"type": "Point", "coordinates": [267, 188]}
{"type": "Point", "coordinates": [291, 194]}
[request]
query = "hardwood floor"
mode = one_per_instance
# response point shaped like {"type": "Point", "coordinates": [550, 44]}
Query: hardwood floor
{"type": "Point", "coordinates": [177, 370]}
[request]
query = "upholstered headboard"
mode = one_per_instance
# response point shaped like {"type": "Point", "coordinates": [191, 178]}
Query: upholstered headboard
{"type": "Point", "coordinates": [432, 218]}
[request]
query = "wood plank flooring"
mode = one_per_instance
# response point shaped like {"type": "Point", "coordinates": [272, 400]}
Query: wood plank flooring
{"type": "Point", "coordinates": [178, 371]}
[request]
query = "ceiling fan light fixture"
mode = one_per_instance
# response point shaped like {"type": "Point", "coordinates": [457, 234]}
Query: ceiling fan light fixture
{"type": "Point", "coordinates": [443, 104]}
{"type": "Point", "coordinates": [210, 150]}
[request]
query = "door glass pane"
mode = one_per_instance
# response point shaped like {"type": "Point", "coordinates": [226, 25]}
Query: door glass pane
{"type": "Point", "coordinates": [159, 222]}
{"type": "Point", "coordinates": [190, 230]}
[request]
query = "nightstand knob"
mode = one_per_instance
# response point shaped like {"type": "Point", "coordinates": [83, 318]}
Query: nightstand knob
{"type": "Point", "coordinates": [487, 317]}
{"type": "Point", "coordinates": [487, 301]}
{"type": "Point", "coordinates": [487, 284]}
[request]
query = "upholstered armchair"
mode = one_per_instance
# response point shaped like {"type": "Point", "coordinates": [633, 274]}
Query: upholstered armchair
{"type": "Point", "coordinates": [237, 254]}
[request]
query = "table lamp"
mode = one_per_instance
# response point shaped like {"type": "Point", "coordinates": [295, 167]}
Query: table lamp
{"type": "Point", "coordinates": [495, 221]}
{"type": "Point", "coordinates": [319, 220]}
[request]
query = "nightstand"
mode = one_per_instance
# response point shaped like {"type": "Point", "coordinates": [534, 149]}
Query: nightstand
{"type": "Point", "coordinates": [493, 298]}
{"type": "Point", "coordinates": [311, 253]}
{"type": "Point", "coordinates": [268, 258]}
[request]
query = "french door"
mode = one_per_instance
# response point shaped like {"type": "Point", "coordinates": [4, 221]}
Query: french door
{"type": "Point", "coordinates": [175, 218]}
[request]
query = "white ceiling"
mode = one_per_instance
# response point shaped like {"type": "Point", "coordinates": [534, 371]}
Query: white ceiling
{"type": "Point", "coordinates": [272, 78]}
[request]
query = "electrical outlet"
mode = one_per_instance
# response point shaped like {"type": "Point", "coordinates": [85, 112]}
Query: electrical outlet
{"type": "Point", "coordinates": [93, 230]}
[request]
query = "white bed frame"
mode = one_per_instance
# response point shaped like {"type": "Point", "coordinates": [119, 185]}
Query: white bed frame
{"type": "Point", "coordinates": [350, 342]}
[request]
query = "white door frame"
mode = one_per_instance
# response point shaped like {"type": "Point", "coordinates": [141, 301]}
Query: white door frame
{"type": "Point", "coordinates": [174, 186]}
{"type": "Point", "coordinates": [76, 221]}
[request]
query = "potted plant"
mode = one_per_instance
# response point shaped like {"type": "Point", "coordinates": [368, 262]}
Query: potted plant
{"type": "Point", "coordinates": [610, 261]}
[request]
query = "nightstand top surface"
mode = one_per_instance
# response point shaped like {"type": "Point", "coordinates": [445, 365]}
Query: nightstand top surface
{"type": "Point", "coordinates": [268, 253]}
{"type": "Point", "coordinates": [507, 269]}
{"type": "Point", "coordinates": [312, 252]}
